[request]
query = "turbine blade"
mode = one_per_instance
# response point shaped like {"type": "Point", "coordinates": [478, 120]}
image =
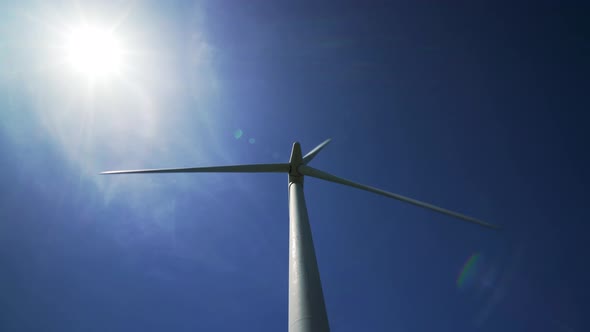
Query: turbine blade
{"type": "Point", "coordinates": [308, 157]}
{"type": "Point", "coordinates": [316, 173]}
{"type": "Point", "coordinates": [256, 168]}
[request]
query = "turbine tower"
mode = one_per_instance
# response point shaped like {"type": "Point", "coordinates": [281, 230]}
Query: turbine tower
{"type": "Point", "coordinates": [307, 310]}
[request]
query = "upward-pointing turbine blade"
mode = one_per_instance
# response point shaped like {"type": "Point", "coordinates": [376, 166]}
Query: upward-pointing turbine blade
{"type": "Point", "coordinates": [256, 168]}
{"type": "Point", "coordinates": [308, 157]}
{"type": "Point", "coordinates": [316, 173]}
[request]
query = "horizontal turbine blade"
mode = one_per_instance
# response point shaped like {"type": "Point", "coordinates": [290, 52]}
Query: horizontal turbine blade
{"type": "Point", "coordinates": [308, 157]}
{"type": "Point", "coordinates": [256, 168]}
{"type": "Point", "coordinates": [316, 173]}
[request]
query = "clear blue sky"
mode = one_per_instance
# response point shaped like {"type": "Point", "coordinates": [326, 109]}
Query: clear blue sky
{"type": "Point", "coordinates": [478, 107]}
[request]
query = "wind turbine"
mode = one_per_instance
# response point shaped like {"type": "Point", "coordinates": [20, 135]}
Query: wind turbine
{"type": "Point", "coordinates": [307, 310]}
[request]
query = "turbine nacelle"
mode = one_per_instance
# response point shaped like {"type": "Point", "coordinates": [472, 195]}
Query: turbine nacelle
{"type": "Point", "coordinates": [295, 161]}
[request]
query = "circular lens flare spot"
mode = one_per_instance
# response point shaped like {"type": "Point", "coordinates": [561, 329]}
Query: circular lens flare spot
{"type": "Point", "coordinates": [238, 133]}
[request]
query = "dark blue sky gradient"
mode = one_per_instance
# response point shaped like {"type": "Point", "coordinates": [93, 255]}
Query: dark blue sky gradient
{"type": "Point", "coordinates": [478, 107]}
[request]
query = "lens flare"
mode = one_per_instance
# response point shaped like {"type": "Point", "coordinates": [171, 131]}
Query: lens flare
{"type": "Point", "coordinates": [468, 270]}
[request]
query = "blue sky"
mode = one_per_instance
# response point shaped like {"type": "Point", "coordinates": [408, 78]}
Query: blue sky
{"type": "Point", "coordinates": [477, 107]}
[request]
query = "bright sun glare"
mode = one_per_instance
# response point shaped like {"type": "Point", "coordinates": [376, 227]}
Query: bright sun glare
{"type": "Point", "coordinates": [94, 52]}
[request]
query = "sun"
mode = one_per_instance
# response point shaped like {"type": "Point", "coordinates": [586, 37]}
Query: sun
{"type": "Point", "coordinates": [93, 52]}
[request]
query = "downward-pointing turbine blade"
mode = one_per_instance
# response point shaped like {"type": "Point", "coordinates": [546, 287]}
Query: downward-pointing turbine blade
{"type": "Point", "coordinates": [316, 173]}
{"type": "Point", "coordinates": [308, 157]}
{"type": "Point", "coordinates": [256, 168]}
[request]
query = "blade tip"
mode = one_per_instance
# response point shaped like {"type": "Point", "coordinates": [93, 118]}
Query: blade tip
{"type": "Point", "coordinates": [491, 226]}
{"type": "Point", "coordinates": [110, 172]}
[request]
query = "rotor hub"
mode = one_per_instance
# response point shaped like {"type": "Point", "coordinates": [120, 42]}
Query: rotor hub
{"type": "Point", "coordinates": [295, 161]}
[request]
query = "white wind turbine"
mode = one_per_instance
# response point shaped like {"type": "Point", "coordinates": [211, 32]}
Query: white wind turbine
{"type": "Point", "coordinates": [307, 311]}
